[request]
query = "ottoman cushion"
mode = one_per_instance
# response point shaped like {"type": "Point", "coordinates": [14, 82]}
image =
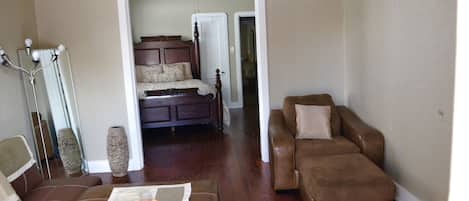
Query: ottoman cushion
{"type": "Point", "coordinates": [307, 149]}
{"type": "Point", "coordinates": [348, 177]}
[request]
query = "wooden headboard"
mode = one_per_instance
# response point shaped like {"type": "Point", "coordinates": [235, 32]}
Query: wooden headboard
{"type": "Point", "coordinates": [157, 51]}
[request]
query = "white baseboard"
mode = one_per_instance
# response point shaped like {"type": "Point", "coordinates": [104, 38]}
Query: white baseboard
{"type": "Point", "coordinates": [403, 194]}
{"type": "Point", "coordinates": [102, 166]}
{"type": "Point", "coordinates": [235, 105]}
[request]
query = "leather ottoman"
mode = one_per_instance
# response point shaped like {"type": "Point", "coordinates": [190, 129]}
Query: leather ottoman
{"type": "Point", "coordinates": [348, 177]}
{"type": "Point", "coordinates": [201, 191]}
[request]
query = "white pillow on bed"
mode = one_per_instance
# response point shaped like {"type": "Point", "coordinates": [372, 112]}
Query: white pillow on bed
{"type": "Point", "coordinates": [163, 72]}
{"type": "Point", "coordinates": [184, 67]}
{"type": "Point", "coordinates": [143, 72]}
{"type": "Point", "coordinates": [172, 73]}
{"type": "Point", "coordinates": [159, 73]}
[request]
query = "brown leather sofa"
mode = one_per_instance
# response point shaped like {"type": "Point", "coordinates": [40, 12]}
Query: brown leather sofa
{"type": "Point", "coordinates": [348, 167]}
{"type": "Point", "coordinates": [31, 187]}
{"type": "Point", "coordinates": [17, 163]}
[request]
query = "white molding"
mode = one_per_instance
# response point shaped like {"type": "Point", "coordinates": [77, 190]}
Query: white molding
{"type": "Point", "coordinates": [211, 14]}
{"type": "Point", "coordinates": [239, 76]}
{"type": "Point", "coordinates": [403, 194]}
{"type": "Point", "coordinates": [236, 105]}
{"type": "Point", "coordinates": [459, 149]}
{"type": "Point", "coordinates": [134, 130]}
{"type": "Point", "coordinates": [102, 166]}
{"type": "Point", "coordinates": [263, 77]}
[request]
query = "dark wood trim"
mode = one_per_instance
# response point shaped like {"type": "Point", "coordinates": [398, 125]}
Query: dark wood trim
{"type": "Point", "coordinates": [159, 38]}
{"type": "Point", "coordinates": [197, 46]}
{"type": "Point", "coordinates": [219, 97]}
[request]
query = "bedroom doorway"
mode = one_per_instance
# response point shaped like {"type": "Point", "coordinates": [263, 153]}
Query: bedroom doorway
{"type": "Point", "coordinates": [133, 116]}
{"type": "Point", "coordinates": [246, 59]}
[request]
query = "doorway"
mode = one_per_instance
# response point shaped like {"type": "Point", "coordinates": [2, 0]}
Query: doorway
{"type": "Point", "coordinates": [247, 34]}
{"type": "Point", "coordinates": [246, 59]}
{"type": "Point", "coordinates": [133, 117]}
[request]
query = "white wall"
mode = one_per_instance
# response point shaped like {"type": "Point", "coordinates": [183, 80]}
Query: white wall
{"type": "Point", "coordinates": [306, 48]}
{"type": "Point", "coordinates": [17, 23]}
{"type": "Point", "coordinates": [400, 74]}
{"type": "Point", "coordinates": [90, 30]}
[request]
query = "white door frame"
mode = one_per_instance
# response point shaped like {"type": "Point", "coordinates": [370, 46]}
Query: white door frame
{"type": "Point", "coordinates": [134, 130]}
{"type": "Point", "coordinates": [128, 63]}
{"type": "Point", "coordinates": [237, 29]}
{"type": "Point", "coordinates": [459, 162]}
{"type": "Point", "coordinates": [263, 76]}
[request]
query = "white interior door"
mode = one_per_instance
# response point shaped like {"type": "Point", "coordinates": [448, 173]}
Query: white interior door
{"type": "Point", "coordinates": [214, 50]}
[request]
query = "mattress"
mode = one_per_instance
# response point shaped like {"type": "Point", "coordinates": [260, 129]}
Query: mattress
{"type": "Point", "coordinates": [202, 88]}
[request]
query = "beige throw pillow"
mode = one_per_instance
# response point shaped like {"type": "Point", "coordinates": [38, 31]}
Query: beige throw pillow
{"type": "Point", "coordinates": [185, 67]}
{"type": "Point", "coordinates": [148, 73]}
{"type": "Point", "coordinates": [7, 193]}
{"type": "Point", "coordinates": [174, 72]}
{"type": "Point", "coordinates": [313, 122]}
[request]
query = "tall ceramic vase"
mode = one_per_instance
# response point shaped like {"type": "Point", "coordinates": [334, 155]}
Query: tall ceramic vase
{"type": "Point", "coordinates": [118, 151]}
{"type": "Point", "coordinates": [69, 152]}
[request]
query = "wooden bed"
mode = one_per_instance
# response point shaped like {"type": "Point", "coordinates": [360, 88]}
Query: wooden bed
{"type": "Point", "coordinates": [177, 107]}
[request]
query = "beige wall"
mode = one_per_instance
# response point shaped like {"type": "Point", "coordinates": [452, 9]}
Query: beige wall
{"type": "Point", "coordinates": [173, 17]}
{"type": "Point", "coordinates": [306, 48]}
{"type": "Point", "coordinates": [400, 70]}
{"type": "Point", "coordinates": [90, 30]}
{"type": "Point", "coordinates": [17, 22]}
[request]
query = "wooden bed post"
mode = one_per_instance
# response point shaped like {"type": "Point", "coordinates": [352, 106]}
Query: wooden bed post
{"type": "Point", "coordinates": [197, 47]}
{"type": "Point", "coordinates": [219, 102]}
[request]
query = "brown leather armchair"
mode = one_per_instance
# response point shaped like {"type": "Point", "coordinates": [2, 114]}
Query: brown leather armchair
{"type": "Point", "coordinates": [350, 136]}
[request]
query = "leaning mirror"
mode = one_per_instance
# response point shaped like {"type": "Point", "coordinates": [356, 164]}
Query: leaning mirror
{"type": "Point", "coordinates": [52, 105]}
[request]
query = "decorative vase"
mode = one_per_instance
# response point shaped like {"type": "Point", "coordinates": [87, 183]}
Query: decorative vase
{"type": "Point", "coordinates": [118, 151]}
{"type": "Point", "coordinates": [69, 151]}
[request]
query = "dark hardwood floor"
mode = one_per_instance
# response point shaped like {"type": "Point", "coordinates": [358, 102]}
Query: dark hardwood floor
{"type": "Point", "coordinates": [199, 153]}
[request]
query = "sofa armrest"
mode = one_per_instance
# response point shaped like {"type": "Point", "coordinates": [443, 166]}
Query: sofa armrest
{"type": "Point", "coordinates": [370, 140]}
{"type": "Point", "coordinates": [282, 153]}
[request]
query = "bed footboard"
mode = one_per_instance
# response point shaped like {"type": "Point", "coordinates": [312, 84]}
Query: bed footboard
{"type": "Point", "coordinates": [170, 108]}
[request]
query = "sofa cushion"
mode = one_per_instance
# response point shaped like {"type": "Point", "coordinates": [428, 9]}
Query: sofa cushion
{"type": "Point", "coordinates": [18, 165]}
{"type": "Point", "coordinates": [313, 122]}
{"type": "Point", "coordinates": [67, 189]}
{"type": "Point", "coordinates": [59, 193]}
{"type": "Point", "coordinates": [28, 181]}
{"type": "Point", "coordinates": [323, 99]}
{"type": "Point", "coordinates": [75, 181]}
{"type": "Point", "coordinates": [7, 193]}
{"type": "Point", "coordinates": [350, 177]}
{"type": "Point", "coordinates": [306, 149]}
{"type": "Point", "coordinates": [15, 157]}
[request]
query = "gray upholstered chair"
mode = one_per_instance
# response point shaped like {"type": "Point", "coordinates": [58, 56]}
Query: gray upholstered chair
{"type": "Point", "coordinates": [18, 165]}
